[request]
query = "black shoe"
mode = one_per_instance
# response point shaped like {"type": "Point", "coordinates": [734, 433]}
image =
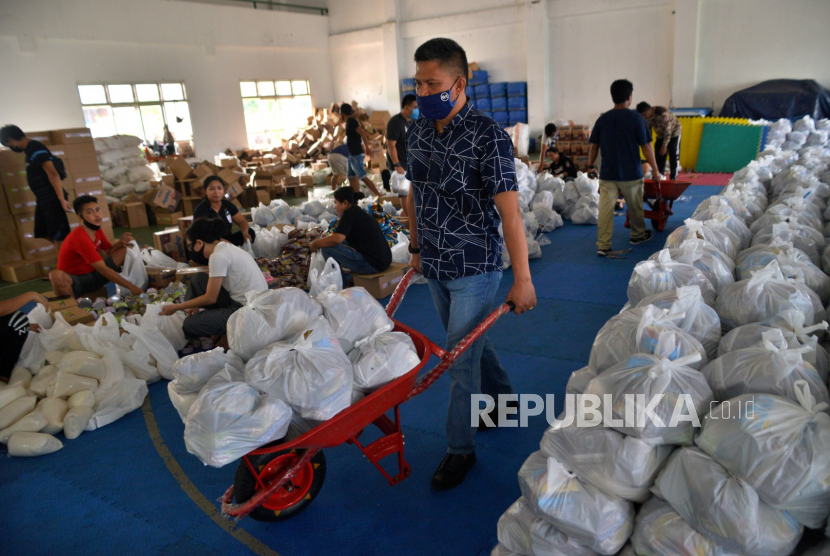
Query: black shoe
{"type": "Point", "coordinates": [603, 252]}
{"type": "Point", "coordinates": [646, 237]}
{"type": "Point", "coordinates": [452, 470]}
{"type": "Point", "coordinates": [494, 415]}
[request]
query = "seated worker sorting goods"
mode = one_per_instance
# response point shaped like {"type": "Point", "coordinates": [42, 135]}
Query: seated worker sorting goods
{"type": "Point", "coordinates": [87, 260]}
{"type": "Point", "coordinates": [357, 244]}
{"type": "Point", "coordinates": [216, 206]}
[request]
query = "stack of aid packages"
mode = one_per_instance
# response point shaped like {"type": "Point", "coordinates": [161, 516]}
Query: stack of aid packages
{"type": "Point", "coordinates": [295, 361]}
{"type": "Point", "coordinates": [729, 318]}
{"type": "Point", "coordinates": [72, 379]}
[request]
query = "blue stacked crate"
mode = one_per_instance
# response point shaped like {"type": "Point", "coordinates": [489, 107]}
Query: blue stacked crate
{"type": "Point", "coordinates": [498, 103]}
{"type": "Point", "coordinates": [479, 78]}
{"type": "Point", "coordinates": [517, 102]}
{"type": "Point", "coordinates": [407, 86]}
{"type": "Point", "coordinates": [470, 91]}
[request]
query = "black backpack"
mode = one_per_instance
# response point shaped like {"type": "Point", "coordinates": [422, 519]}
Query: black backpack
{"type": "Point", "coordinates": [59, 166]}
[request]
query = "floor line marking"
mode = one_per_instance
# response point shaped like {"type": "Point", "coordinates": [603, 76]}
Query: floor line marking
{"type": "Point", "coordinates": [209, 508]}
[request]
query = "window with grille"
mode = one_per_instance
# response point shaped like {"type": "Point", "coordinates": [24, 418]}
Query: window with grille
{"type": "Point", "coordinates": [275, 110]}
{"type": "Point", "coordinates": [139, 109]}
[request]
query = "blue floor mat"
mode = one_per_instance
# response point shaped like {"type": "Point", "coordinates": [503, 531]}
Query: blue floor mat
{"type": "Point", "coordinates": [112, 493]}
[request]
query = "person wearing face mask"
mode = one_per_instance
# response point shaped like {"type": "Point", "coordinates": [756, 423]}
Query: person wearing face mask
{"type": "Point", "coordinates": [221, 291]}
{"type": "Point", "coordinates": [44, 180]}
{"type": "Point", "coordinates": [87, 260]}
{"type": "Point", "coordinates": [215, 205]}
{"type": "Point", "coordinates": [461, 165]}
{"type": "Point", "coordinates": [396, 134]}
{"type": "Point", "coordinates": [357, 244]}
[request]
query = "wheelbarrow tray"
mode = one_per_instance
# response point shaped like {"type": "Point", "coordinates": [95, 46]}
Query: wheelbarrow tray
{"type": "Point", "coordinates": [668, 189]}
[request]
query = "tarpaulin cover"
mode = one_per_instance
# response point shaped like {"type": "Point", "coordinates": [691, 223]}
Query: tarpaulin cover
{"type": "Point", "coordinates": [779, 98]}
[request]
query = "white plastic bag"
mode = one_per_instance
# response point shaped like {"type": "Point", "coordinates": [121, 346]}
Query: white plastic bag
{"type": "Point", "coordinates": [522, 531]}
{"type": "Point", "coordinates": [682, 388]}
{"type": "Point", "coordinates": [725, 507]}
{"type": "Point", "coordinates": [779, 447]}
{"type": "Point", "coordinates": [318, 263]}
{"type": "Point", "coordinates": [172, 328]}
{"type": "Point", "coordinates": [181, 402]}
{"type": "Point", "coordinates": [547, 218]}
{"type": "Point", "coordinates": [353, 314]}
{"type": "Point", "coordinates": [650, 277]}
{"type": "Point", "coordinates": [122, 398]}
{"type": "Point", "coordinates": [33, 422]}
{"type": "Point", "coordinates": [381, 358]}
{"type": "Point", "coordinates": [311, 373]}
{"type": "Point", "coordinates": [133, 269]}
{"type": "Point", "coordinates": [579, 380]}
{"type": "Point", "coordinates": [581, 511]}
{"type": "Point", "coordinates": [83, 363]}
{"type": "Point", "coordinates": [230, 419]}
{"type": "Point", "coordinates": [54, 409]}
{"type": "Point", "coordinates": [710, 230]}
{"type": "Point", "coordinates": [699, 319]}
{"type": "Point", "coordinates": [329, 278]}
{"type": "Point", "coordinates": [20, 375]}
{"type": "Point", "coordinates": [156, 259]}
{"type": "Point", "coordinates": [764, 295]}
{"type": "Point", "coordinates": [67, 384]}
{"type": "Point", "coordinates": [400, 251]}
{"type": "Point", "coordinates": [154, 340]}
{"type": "Point", "coordinates": [611, 461]}
{"type": "Point", "coordinates": [715, 265]}
{"type": "Point", "coordinates": [270, 316]}
{"type": "Point", "coordinates": [57, 336]}
{"type": "Point", "coordinates": [75, 421]}
{"type": "Point", "coordinates": [191, 373]}
{"type": "Point", "coordinates": [660, 531]}
{"type": "Point", "coordinates": [31, 444]}
{"type": "Point", "coordinates": [770, 367]}
{"type": "Point", "coordinates": [101, 337]}
{"type": "Point", "coordinates": [16, 410]}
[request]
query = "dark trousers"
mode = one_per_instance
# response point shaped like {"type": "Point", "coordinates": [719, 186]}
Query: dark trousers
{"type": "Point", "coordinates": [673, 154]}
{"type": "Point", "coordinates": [213, 321]}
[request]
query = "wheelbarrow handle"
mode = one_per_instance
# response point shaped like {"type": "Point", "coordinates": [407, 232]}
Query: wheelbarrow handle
{"type": "Point", "coordinates": [449, 357]}
{"type": "Point", "coordinates": [400, 291]}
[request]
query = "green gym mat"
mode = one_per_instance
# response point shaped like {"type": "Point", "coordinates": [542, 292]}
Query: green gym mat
{"type": "Point", "coordinates": [727, 147]}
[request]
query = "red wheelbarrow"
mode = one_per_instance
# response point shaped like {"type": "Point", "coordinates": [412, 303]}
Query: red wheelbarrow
{"type": "Point", "coordinates": [660, 197]}
{"type": "Point", "coordinates": [279, 480]}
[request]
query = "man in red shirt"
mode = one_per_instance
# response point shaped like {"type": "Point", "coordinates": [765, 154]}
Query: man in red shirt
{"type": "Point", "coordinates": [87, 260]}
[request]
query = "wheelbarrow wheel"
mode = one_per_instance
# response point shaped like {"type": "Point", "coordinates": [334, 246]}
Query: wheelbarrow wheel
{"type": "Point", "coordinates": [290, 499]}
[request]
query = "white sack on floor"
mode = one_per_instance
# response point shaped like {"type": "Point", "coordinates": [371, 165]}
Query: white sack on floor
{"type": "Point", "coordinates": [664, 274]}
{"type": "Point", "coordinates": [725, 507]}
{"type": "Point", "coordinates": [780, 447]}
{"type": "Point", "coordinates": [710, 230]}
{"type": "Point", "coordinates": [353, 314]}
{"type": "Point", "coordinates": [715, 265]}
{"type": "Point", "coordinates": [523, 531]}
{"type": "Point", "coordinates": [381, 358]}
{"type": "Point", "coordinates": [581, 511]}
{"type": "Point", "coordinates": [191, 373]}
{"type": "Point", "coordinates": [112, 404]}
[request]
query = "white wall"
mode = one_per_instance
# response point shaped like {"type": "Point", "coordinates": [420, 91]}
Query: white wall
{"type": "Point", "coordinates": [353, 15]}
{"type": "Point", "coordinates": [357, 65]}
{"type": "Point", "coordinates": [744, 42]}
{"type": "Point", "coordinates": [46, 51]}
{"type": "Point", "coordinates": [594, 42]}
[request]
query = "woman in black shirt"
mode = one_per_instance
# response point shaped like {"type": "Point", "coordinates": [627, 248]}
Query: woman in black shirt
{"type": "Point", "coordinates": [216, 206]}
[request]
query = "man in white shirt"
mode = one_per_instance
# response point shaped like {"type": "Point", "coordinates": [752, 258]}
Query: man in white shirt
{"type": "Point", "coordinates": [221, 292]}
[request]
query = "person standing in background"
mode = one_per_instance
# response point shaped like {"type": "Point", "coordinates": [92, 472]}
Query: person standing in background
{"type": "Point", "coordinates": [548, 142]}
{"type": "Point", "coordinates": [44, 179]}
{"type": "Point", "coordinates": [356, 139]}
{"type": "Point", "coordinates": [169, 141]}
{"type": "Point", "coordinates": [667, 131]}
{"type": "Point", "coordinates": [396, 134]}
{"type": "Point", "coordinates": [620, 133]}
{"type": "Point", "coordinates": [338, 160]}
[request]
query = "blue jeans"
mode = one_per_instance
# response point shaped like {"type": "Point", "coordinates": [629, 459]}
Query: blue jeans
{"type": "Point", "coordinates": [348, 258]}
{"type": "Point", "coordinates": [462, 304]}
{"type": "Point", "coordinates": [356, 167]}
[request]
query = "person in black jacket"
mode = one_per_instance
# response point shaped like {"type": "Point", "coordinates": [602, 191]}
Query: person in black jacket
{"type": "Point", "coordinates": [44, 180]}
{"type": "Point", "coordinates": [216, 206]}
{"type": "Point", "coordinates": [561, 166]}
{"type": "Point", "coordinates": [357, 243]}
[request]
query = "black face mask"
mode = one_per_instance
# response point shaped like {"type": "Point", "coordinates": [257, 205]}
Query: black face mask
{"type": "Point", "coordinates": [197, 257]}
{"type": "Point", "coordinates": [91, 226]}
{"type": "Point", "coordinates": [16, 149]}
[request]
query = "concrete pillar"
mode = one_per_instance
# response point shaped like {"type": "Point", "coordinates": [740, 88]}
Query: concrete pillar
{"type": "Point", "coordinates": [538, 66]}
{"type": "Point", "coordinates": [392, 55]}
{"type": "Point", "coordinates": [686, 35]}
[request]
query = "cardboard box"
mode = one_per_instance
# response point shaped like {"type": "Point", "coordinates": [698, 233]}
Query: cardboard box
{"type": "Point", "coordinates": [48, 264]}
{"type": "Point", "coordinates": [184, 224]}
{"type": "Point", "coordinates": [13, 160]}
{"type": "Point", "coordinates": [168, 179]}
{"type": "Point", "coordinates": [565, 132]}
{"type": "Point", "coordinates": [35, 248]}
{"type": "Point", "coordinates": [69, 136]}
{"type": "Point", "coordinates": [75, 151]}
{"type": "Point", "coordinates": [84, 165]}
{"type": "Point", "coordinates": [564, 147]}
{"type": "Point", "coordinates": [307, 181]}
{"type": "Point", "coordinates": [296, 190]}
{"type": "Point", "coordinates": [10, 247]}
{"type": "Point", "coordinates": [44, 137]}
{"type": "Point", "coordinates": [379, 119]}
{"type": "Point", "coordinates": [14, 177]}
{"type": "Point", "coordinates": [229, 162]}
{"type": "Point", "coordinates": [263, 195]}
{"type": "Point", "coordinates": [189, 204]}
{"type": "Point", "coordinates": [76, 315]}
{"type": "Point", "coordinates": [396, 201]}
{"type": "Point", "coordinates": [136, 215]}
{"type": "Point", "coordinates": [185, 274]}
{"type": "Point", "coordinates": [382, 284]}
{"type": "Point", "coordinates": [21, 200]}
{"type": "Point", "coordinates": [160, 277]}
{"type": "Point", "coordinates": [228, 176]}
{"type": "Point", "coordinates": [179, 168]}
{"type": "Point", "coordinates": [168, 198]}
{"type": "Point", "coordinates": [20, 271]}
{"type": "Point", "coordinates": [87, 180]}
{"type": "Point", "coordinates": [167, 218]}
{"type": "Point", "coordinates": [24, 222]}
{"type": "Point", "coordinates": [171, 243]}
{"type": "Point", "coordinates": [59, 302]}
{"type": "Point", "coordinates": [4, 205]}
{"type": "Point", "coordinates": [233, 191]}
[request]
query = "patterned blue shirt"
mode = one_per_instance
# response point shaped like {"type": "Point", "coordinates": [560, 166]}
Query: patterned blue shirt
{"type": "Point", "coordinates": [455, 176]}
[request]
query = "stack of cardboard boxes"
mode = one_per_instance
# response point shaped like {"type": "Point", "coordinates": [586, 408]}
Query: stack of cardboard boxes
{"type": "Point", "coordinates": [22, 256]}
{"type": "Point", "coordinates": [573, 142]}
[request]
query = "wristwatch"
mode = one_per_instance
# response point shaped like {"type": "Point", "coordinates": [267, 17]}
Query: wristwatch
{"type": "Point", "coordinates": [398, 165]}
{"type": "Point", "coordinates": [414, 250]}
